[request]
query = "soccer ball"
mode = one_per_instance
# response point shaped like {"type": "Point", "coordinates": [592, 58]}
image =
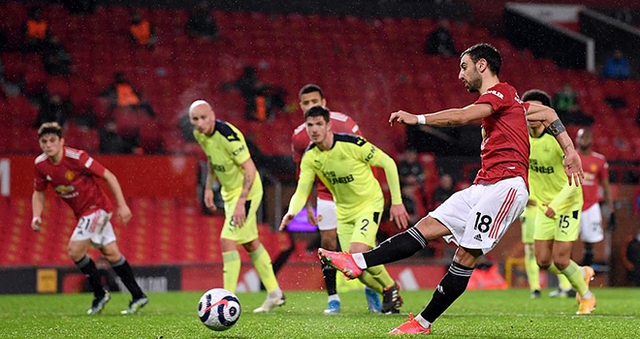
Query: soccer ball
{"type": "Point", "coordinates": [219, 309]}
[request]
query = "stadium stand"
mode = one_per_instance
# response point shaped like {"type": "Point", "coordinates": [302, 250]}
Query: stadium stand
{"type": "Point", "coordinates": [356, 60]}
{"type": "Point", "coordinates": [367, 67]}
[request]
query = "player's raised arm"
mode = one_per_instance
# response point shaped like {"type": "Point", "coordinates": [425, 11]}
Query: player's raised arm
{"type": "Point", "coordinates": [124, 213]}
{"type": "Point", "coordinates": [445, 118]}
{"type": "Point", "coordinates": [549, 118]}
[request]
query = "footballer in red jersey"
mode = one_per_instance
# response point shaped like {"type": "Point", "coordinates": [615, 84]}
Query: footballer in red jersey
{"type": "Point", "coordinates": [476, 217]}
{"type": "Point", "coordinates": [326, 220]}
{"type": "Point", "coordinates": [596, 175]}
{"type": "Point", "coordinates": [72, 173]}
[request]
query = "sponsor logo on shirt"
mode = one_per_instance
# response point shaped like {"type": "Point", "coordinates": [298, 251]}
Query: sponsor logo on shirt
{"type": "Point", "coordinates": [342, 180]}
{"type": "Point", "coordinates": [66, 191]}
{"type": "Point", "coordinates": [534, 166]}
{"type": "Point", "coordinates": [333, 179]}
{"type": "Point", "coordinates": [218, 168]}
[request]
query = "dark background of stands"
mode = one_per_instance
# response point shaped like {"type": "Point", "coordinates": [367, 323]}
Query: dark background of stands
{"type": "Point", "coordinates": [361, 8]}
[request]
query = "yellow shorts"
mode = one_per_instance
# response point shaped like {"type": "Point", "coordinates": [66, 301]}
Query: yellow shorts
{"type": "Point", "coordinates": [564, 226]}
{"type": "Point", "coordinates": [249, 230]}
{"type": "Point", "coordinates": [362, 227]}
{"type": "Point", "coordinates": [528, 224]}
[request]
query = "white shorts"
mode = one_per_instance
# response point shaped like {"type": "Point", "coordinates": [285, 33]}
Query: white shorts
{"type": "Point", "coordinates": [480, 215]}
{"type": "Point", "coordinates": [591, 225]}
{"type": "Point", "coordinates": [327, 217]}
{"type": "Point", "coordinates": [95, 226]}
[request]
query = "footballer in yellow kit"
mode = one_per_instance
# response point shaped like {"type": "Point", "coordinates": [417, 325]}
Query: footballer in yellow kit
{"type": "Point", "coordinates": [558, 210]}
{"type": "Point", "coordinates": [346, 171]}
{"type": "Point", "coordinates": [241, 190]}
{"type": "Point", "coordinates": [226, 150]}
{"type": "Point", "coordinates": [343, 164]}
{"type": "Point", "coordinates": [549, 188]}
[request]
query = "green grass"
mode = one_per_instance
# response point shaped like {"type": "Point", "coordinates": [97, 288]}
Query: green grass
{"type": "Point", "coordinates": [477, 314]}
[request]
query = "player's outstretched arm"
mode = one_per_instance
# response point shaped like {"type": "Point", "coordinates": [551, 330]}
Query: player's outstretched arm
{"type": "Point", "coordinates": [124, 213]}
{"type": "Point", "coordinates": [37, 206]}
{"type": "Point", "coordinates": [549, 118]}
{"type": "Point", "coordinates": [445, 118]}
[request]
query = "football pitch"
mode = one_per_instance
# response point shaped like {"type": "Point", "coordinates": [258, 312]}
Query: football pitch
{"type": "Point", "coordinates": [477, 314]}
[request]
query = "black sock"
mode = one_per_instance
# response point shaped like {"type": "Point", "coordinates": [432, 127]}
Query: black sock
{"type": "Point", "coordinates": [125, 273]}
{"type": "Point", "coordinates": [88, 267]}
{"type": "Point", "coordinates": [329, 275]}
{"type": "Point", "coordinates": [452, 285]}
{"type": "Point", "coordinates": [398, 247]}
{"type": "Point", "coordinates": [587, 260]}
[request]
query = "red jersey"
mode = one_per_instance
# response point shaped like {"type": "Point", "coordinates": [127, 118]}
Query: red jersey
{"type": "Point", "coordinates": [340, 123]}
{"type": "Point", "coordinates": [74, 181]}
{"type": "Point", "coordinates": [595, 168]}
{"type": "Point", "coordinates": [504, 152]}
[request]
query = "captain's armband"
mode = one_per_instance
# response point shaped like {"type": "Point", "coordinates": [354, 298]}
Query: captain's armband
{"type": "Point", "coordinates": [556, 128]}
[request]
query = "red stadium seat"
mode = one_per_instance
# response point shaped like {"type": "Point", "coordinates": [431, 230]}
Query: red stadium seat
{"type": "Point", "coordinates": [35, 82]}
{"type": "Point", "coordinates": [83, 138]}
{"type": "Point", "coordinates": [20, 111]}
{"type": "Point", "coordinates": [14, 67]}
{"type": "Point", "coordinates": [58, 85]}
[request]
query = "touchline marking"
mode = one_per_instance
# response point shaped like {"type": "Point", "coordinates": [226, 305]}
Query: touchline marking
{"type": "Point", "coordinates": [592, 315]}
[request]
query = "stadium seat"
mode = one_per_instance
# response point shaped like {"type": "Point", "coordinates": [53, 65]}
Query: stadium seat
{"type": "Point", "coordinates": [35, 81]}
{"type": "Point", "coordinates": [14, 67]}
{"type": "Point", "coordinates": [82, 137]}
{"type": "Point", "coordinates": [58, 85]}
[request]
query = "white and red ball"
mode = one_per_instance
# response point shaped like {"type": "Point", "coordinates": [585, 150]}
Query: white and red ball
{"type": "Point", "coordinates": [219, 309]}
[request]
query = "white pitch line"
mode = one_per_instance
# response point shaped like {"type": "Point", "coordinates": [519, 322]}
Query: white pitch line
{"type": "Point", "coordinates": [541, 315]}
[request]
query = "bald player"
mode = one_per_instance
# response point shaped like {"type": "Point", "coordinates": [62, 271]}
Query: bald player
{"type": "Point", "coordinates": [230, 163]}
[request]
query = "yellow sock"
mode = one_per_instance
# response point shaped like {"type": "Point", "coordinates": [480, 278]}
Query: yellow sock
{"type": "Point", "coordinates": [343, 285]}
{"type": "Point", "coordinates": [553, 269]}
{"type": "Point", "coordinates": [563, 282]}
{"type": "Point", "coordinates": [573, 273]}
{"type": "Point", "coordinates": [231, 270]}
{"type": "Point", "coordinates": [262, 263]}
{"type": "Point", "coordinates": [531, 267]}
{"type": "Point", "coordinates": [368, 280]}
{"type": "Point", "coordinates": [381, 275]}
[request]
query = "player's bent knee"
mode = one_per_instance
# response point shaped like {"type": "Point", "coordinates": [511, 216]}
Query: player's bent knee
{"type": "Point", "coordinates": [76, 251]}
{"type": "Point", "coordinates": [76, 256]}
{"type": "Point", "coordinates": [252, 246]}
{"type": "Point", "coordinates": [467, 257]}
{"type": "Point", "coordinates": [561, 264]}
{"type": "Point", "coordinates": [431, 228]}
{"type": "Point", "coordinates": [544, 264]}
